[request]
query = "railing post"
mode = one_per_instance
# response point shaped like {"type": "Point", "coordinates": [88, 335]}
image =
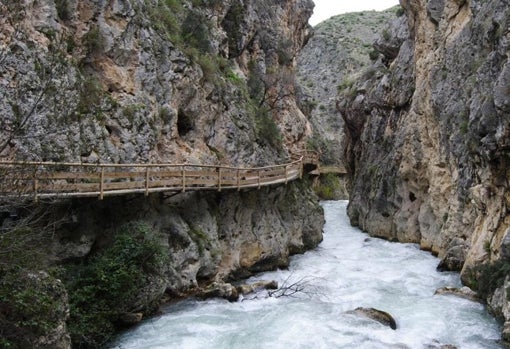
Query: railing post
{"type": "Point", "coordinates": [238, 179]}
{"type": "Point", "coordinates": [183, 173]}
{"type": "Point", "coordinates": [36, 185]}
{"type": "Point", "coordinates": [147, 181]}
{"type": "Point", "coordinates": [219, 178]}
{"type": "Point", "coordinates": [101, 184]}
{"type": "Point", "coordinates": [258, 178]}
{"type": "Point", "coordinates": [286, 174]}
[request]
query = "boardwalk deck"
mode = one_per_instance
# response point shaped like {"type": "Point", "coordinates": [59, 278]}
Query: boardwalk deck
{"type": "Point", "coordinates": [49, 179]}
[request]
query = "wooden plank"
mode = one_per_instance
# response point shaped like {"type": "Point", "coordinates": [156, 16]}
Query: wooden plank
{"type": "Point", "coordinates": [69, 187]}
{"type": "Point", "coordinates": [124, 174]}
{"type": "Point", "coordinates": [161, 183]}
{"type": "Point", "coordinates": [68, 175]}
{"type": "Point", "coordinates": [163, 174]}
{"type": "Point", "coordinates": [124, 185]}
{"type": "Point", "coordinates": [208, 173]}
{"type": "Point", "coordinates": [273, 173]}
{"type": "Point", "coordinates": [201, 182]}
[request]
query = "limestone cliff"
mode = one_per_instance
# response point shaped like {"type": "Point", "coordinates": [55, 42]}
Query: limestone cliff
{"type": "Point", "coordinates": [428, 134]}
{"type": "Point", "coordinates": [339, 48]}
{"type": "Point", "coordinates": [151, 81]}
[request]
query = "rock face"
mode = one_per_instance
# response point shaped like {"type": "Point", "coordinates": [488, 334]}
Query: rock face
{"type": "Point", "coordinates": [180, 81]}
{"type": "Point", "coordinates": [209, 237]}
{"type": "Point", "coordinates": [341, 46]}
{"type": "Point", "coordinates": [140, 80]}
{"type": "Point", "coordinates": [428, 133]}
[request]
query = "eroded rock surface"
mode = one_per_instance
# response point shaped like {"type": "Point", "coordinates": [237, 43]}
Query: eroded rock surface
{"type": "Point", "coordinates": [142, 81]}
{"type": "Point", "coordinates": [428, 134]}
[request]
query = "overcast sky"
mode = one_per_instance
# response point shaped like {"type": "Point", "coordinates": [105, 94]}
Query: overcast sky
{"type": "Point", "coordinates": [328, 8]}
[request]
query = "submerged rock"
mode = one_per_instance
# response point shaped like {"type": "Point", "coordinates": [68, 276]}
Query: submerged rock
{"type": "Point", "coordinates": [437, 345]}
{"type": "Point", "coordinates": [377, 315]}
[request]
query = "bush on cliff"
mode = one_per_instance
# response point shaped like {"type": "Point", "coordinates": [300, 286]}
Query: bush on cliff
{"type": "Point", "coordinates": [487, 278]}
{"type": "Point", "coordinates": [33, 309]}
{"type": "Point", "coordinates": [106, 286]}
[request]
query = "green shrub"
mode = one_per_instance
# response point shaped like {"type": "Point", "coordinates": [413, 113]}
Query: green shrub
{"type": "Point", "coordinates": [94, 41]}
{"type": "Point", "coordinates": [489, 277]}
{"type": "Point", "coordinates": [196, 32]}
{"type": "Point", "coordinates": [464, 126]}
{"type": "Point", "coordinates": [386, 34]}
{"type": "Point", "coordinates": [31, 304]}
{"type": "Point", "coordinates": [329, 185]}
{"type": "Point", "coordinates": [233, 77]}
{"type": "Point", "coordinates": [103, 288]}
{"type": "Point", "coordinates": [209, 66]}
{"type": "Point", "coordinates": [232, 25]}
{"type": "Point", "coordinates": [284, 51]}
{"type": "Point", "coordinates": [63, 10]}
{"type": "Point", "coordinates": [91, 96]}
{"type": "Point", "coordinates": [267, 131]}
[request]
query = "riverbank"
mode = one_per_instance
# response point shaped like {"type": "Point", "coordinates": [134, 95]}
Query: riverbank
{"type": "Point", "coordinates": [347, 270]}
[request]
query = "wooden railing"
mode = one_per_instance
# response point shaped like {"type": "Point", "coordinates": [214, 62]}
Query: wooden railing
{"type": "Point", "coordinates": [49, 179]}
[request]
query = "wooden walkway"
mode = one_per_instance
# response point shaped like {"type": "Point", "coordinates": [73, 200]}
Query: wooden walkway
{"type": "Point", "coordinates": [337, 170]}
{"type": "Point", "coordinates": [37, 180]}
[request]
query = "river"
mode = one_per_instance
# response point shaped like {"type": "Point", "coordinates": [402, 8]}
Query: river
{"type": "Point", "coordinates": [348, 270]}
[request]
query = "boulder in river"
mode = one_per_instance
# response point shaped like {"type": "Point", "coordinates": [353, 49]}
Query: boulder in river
{"type": "Point", "coordinates": [377, 315]}
{"type": "Point", "coordinates": [257, 286]}
{"type": "Point", "coordinates": [437, 345]}
{"type": "Point", "coordinates": [220, 290]}
{"type": "Point", "coordinates": [463, 292]}
{"type": "Point", "coordinates": [131, 318]}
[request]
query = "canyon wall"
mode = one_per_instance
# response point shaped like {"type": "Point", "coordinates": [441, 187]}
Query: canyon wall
{"type": "Point", "coordinates": [137, 81]}
{"type": "Point", "coordinates": [428, 136]}
{"type": "Point", "coordinates": [339, 49]}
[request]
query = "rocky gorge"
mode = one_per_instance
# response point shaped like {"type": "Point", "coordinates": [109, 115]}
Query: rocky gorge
{"type": "Point", "coordinates": [427, 132]}
{"type": "Point", "coordinates": [202, 82]}
{"type": "Point", "coordinates": [214, 82]}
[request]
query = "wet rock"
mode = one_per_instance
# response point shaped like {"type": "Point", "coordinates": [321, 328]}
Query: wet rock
{"type": "Point", "coordinates": [131, 318]}
{"type": "Point", "coordinates": [377, 315]}
{"type": "Point", "coordinates": [505, 334]}
{"type": "Point", "coordinates": [257, 286]}
{"type": "Point", "coordinates": [437, 345]}
{"type": "Point", "coordinates": [498, 303]}
{"type": "Point", "coordinates": [463, 292]}
{"type": "Point", "coordinates": [454, 258]}
{"type": "Point", "coordinates": [505, 246]}
{"type": "Point", "coordinates": [220, 290]}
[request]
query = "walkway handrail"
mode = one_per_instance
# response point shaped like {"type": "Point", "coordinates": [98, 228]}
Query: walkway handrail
{"type": "Point", "coordinates": [53, 179]}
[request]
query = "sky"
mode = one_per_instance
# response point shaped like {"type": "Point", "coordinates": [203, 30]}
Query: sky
{"type": "Point", "coordinates": [328, 8]}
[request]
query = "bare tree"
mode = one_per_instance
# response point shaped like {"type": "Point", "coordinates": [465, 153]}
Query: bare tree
{"type": "Point", "coordinates": [305, 286]}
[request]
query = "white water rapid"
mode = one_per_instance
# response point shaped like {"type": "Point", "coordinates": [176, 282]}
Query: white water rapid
{"type": "Point", "coordinates": [348, 270]}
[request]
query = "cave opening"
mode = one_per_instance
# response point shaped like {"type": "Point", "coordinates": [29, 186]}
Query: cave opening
{"type": "Point", "coordinates": [184, 123]}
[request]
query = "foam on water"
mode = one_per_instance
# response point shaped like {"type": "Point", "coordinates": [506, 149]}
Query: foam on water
{"type": "Point", "coordinates": [348, 270]}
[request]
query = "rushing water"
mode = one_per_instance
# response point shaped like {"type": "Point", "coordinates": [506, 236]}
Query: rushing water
{"type": "Point", "coordinates": [346, 271]}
